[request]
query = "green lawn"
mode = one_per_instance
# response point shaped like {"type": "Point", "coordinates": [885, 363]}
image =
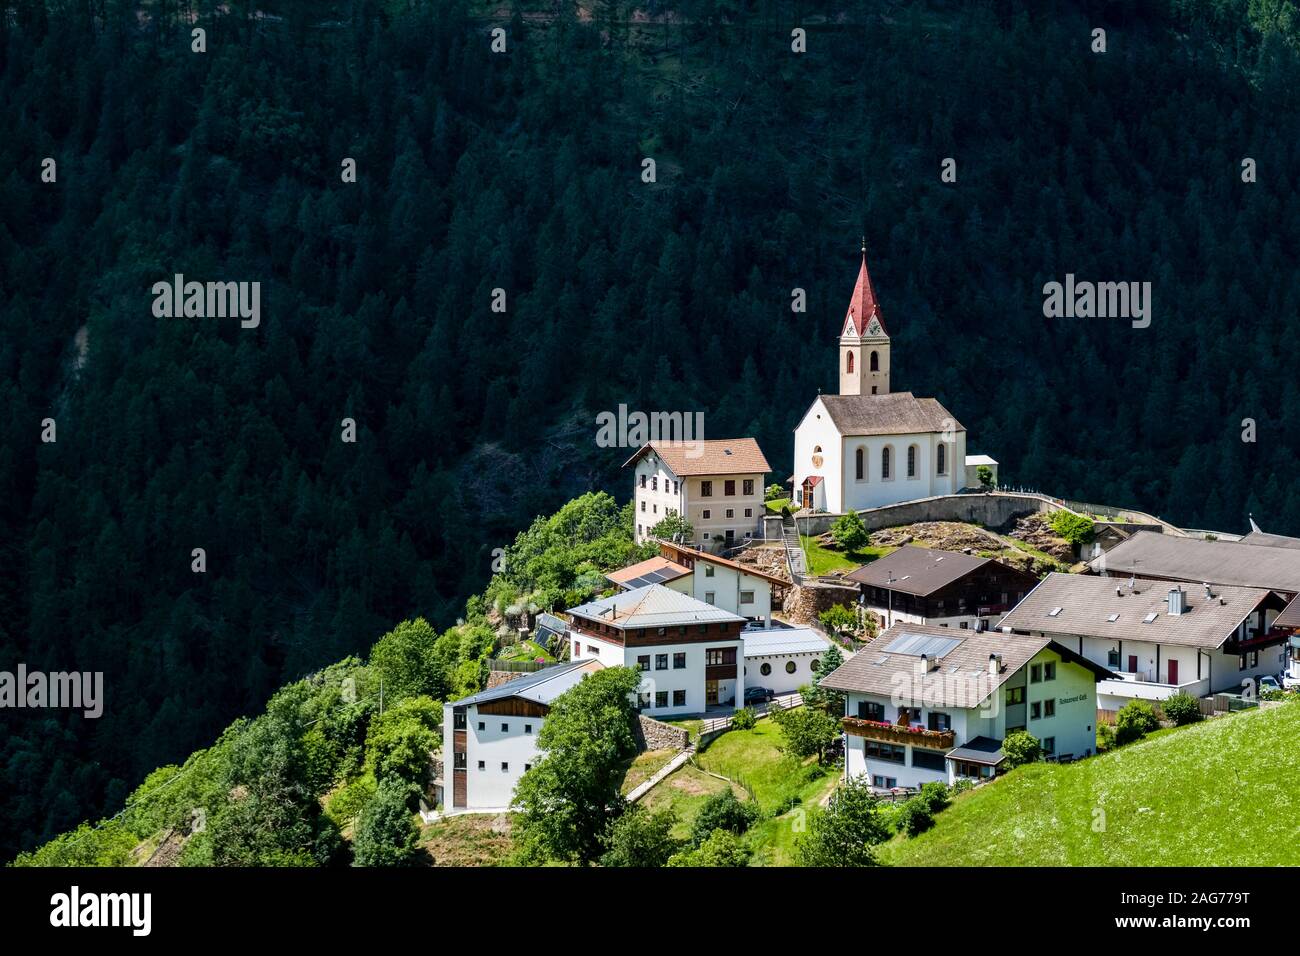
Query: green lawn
{"type": "Point", "coordinates": [824, 561]}
{"type": "Point", "coordinates": [1225, 792]}
{"type": "Point", "coordinates": [754, 758]}
{"type": "Point", "coordinates": [527, 651]}
{"type": "Point", "coordinates": [776, 504]}
{"type": "Point", "coordinates": [644, 766]}
{"type": "Point", "coordinates": [685, 791]}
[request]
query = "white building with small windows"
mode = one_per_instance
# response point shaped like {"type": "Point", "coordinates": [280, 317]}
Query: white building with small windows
{"type": "Point", "coordinates": [716, 485]}
{"type": "Point", "coordinates": [690, 654]}
{"type": "Point", "coordinates": [869, 446]}
{"type": "Point", "coordinates": [783, 659]}
{"type": "Point", "coordinates": [490, 738]}
{"type": "Point", "coordinates": [925, 703]}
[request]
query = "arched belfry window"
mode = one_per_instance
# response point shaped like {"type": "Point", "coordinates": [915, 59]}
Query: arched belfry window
{"type": "Point", "coordinates": [884, 462]}
{"type": "Point", "coordinates": [942, 459]}
{"type": "Point", "coordinates": [848, 363]}
{"type": "Point", "coordinates": [859, 464]}
{"type": "Point", "coordinates": [875, 362]}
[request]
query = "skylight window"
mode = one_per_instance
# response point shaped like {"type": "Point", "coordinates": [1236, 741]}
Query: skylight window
{"type": "Point", "coordinates": [1055, 611]}
{"type": "Point", "coordinates": [1113, 618]}
{"type": "Point", "coordinates": [1150, 617]}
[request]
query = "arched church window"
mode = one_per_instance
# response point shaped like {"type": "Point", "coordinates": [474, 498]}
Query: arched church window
{"type": "Point", "coordinates": [911, 461]}
{"type": "Point", "coordinates": [884, 462]}
{"type": "Point", "coordinates": [859, 463]}
{"type": "Point", "coordinates": [875, 362]}
{"type": "Point", "coordinates": [942, 458]}
{"type": "Point", "coordinates": [849, 363]}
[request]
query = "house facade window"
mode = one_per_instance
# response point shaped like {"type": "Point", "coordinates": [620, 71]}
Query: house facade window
{"type": "Point", "coordinates": [1049, 745]}
{"type": "Point", "coordinates": [661, 698]}
{"type": "Point", "coordinates": [679, 661]}
{"type": "Point", "coordinates": [1035, 673]}
{"type": "Point", "coordinates": [679, 698]}
{"type": "Point", "coordinates": [791, 667]}
{"type": "Point", "coordinates": [459, 762]}
{"type": "Point", "coordinates": [1049, 670]}
{"type": "Point", "coordinates": [654, 483]}
{"type": "Point", "coordinates": [746, 597]}
{"type": "Point", "coordinates": [458, 720]}
{"type": "Point", "coordinates": [870, 710]}
{"type": "Point", "coordinates": [729, 488]}
{"type": "Point", "coordinates": [875, 362]}
{"type": "Point", "coordinates": [706, 518]}
{"type": "Point", "coordinates": [643, 662]}
{"type": "Point", "coordinates": [1112, 659]}
{"type": "Point", "coordinates": [892, 753]}
{"type": "Point", "coordinates": [765, 669]}
{"type": "Point", "coordinates": [1049, 707]}
{"type": "Point", "coordinates": [643, 481]}
{"type": "Point", "coordinates": [661, 662]}
{"type": "Point", "coordinates": [706, 489]}
{"type": "Point", "coordinates": [747, 488]}
{"type": "Point", "coordinates": [708, 597]}
{"type": "Point", "coordinates": [940, 721]}
{"type": "Point", "coordinates": [1015, 695]}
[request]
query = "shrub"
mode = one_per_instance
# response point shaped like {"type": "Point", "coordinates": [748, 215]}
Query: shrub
{"type": "Point", "coordinates": [1021, 747]}
{"type": "Point", "coordinates": [985, 475]}
{"type": "Point", "coordinates": [1182, 709]}
{"type": "Point", "coordinates": [773, 492]}
{"type": "Point", "coordinates": [720, 848]}
{"type": "Point", "coordinates": [723, 811]}
{"type": "Point", "coordinates": [386, 833]}
{"type": "Point", "coordinates": [845, 833]}
{"type": "Point", "coordinates": [849, 532]}
{"type": "Point", "coordinates": [743, 719]}
{"type": "Point", "coordinates": [935, 796]}
{"type": "Point", "coordinates": [916, 817]}
{"type": "Point", "coordinates": [1136, 719]}
{"type": "Point", "coordinates": [1074, 528]}
{"type": "Point", "coordinates": [641, 839]}
{"type": "Point", "coordinates": [1105, 737]}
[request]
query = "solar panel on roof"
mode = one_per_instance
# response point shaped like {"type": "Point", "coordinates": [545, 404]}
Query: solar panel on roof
{"type": "Point", "coordinates": [917, 644]}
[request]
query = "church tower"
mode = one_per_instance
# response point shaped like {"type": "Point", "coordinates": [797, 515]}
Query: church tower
{"type": "Point", "coordinates": [864, 344]}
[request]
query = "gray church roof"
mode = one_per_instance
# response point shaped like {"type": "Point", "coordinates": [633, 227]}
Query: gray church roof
{"type": "Point", "coordinates": [894, 413]}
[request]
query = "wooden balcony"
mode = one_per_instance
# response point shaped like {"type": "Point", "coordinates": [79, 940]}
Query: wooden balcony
{"type": "Point", "coordinates": [897, 734]}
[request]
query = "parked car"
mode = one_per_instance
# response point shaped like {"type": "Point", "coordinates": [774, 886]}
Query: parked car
{"type": "Point", "coordinates": [1268, 682]}
{"type": "Point", "coordinates": [758, 695]}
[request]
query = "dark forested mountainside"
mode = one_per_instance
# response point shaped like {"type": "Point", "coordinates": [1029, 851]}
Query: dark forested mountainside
{"type": "Point", "coordinates": [522, 171]}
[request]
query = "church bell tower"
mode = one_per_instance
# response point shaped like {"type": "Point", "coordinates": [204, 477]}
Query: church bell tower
{"type": "Point", "coordinates": [864, 343]}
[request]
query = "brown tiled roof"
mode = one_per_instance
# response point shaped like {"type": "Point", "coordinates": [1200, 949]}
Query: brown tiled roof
{"type": "Point", "coordinates": [919, 571]}
{"type": "Point", "coordinates": [961, 678]}
{"type": "Point", "coordinates": [1087, 603]}
{"type": "Point", "coordinates": [727, 456]}
{"type": "Point", "coordinates": [894, 413]}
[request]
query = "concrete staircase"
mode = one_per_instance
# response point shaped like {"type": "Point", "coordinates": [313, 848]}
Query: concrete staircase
{"type": "Point", "coordinates": [795, 560]}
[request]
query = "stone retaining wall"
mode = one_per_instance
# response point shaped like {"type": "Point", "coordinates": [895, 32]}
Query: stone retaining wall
{"type": "Point", "coordinates": [656, 735]}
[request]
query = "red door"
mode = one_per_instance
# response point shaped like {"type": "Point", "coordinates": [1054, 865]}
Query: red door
{"type": "Point", "coordinates": [1173, 672]}
{"type": "Point", "coordinates": [1132, 663]}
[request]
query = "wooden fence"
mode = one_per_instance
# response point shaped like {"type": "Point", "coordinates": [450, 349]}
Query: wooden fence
{"type": "Point", "coordinates": [715, 725]}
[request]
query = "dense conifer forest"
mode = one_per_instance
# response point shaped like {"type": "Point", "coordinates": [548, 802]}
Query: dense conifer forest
{"type": "Point", "coordinates": [522, 171]}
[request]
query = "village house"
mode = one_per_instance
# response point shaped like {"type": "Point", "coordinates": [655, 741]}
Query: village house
{"type": "Point", "coordinates": [716, 485]}
{"type": "Point", "coordinates": [870, 446]}
{"type": "Point", "coordinates": [690, 653]}
{"type": "Point", "coordinates": [491, 736]}
{"type": "Point", "coordinates": [1159, 637]}
{"type": "Point", "coordinates": [1258, 560]}
{"type": "Point", "coordinates": [947, 588]}
{"type": "Point", "coordinates": [783, 659]}
{"type": "Point", "coordinates": [731, 585]}
{"type": "Point", "coordinates": [926, 703]}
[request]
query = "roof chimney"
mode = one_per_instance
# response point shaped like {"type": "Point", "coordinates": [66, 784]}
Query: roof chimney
{"type": "Point", "coordinates": [995, 663]}
{"type": "Point", "coordinates": [1209, 595]}
{"type": "Point", "coordinates": [1177, 601]}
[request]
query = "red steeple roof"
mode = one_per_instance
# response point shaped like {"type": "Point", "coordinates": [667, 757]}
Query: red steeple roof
{"type": "Point", "coordinates": [863, 306]}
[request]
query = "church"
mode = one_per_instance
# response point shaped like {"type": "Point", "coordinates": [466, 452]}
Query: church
{"type": "Point", "coordinates": [869, 445]}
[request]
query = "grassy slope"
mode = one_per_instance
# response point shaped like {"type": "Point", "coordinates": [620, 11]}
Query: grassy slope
{"type": "Point", "coordinates": [824, 560]}
{"type": "Point", "coordinates": [1224, 792]}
